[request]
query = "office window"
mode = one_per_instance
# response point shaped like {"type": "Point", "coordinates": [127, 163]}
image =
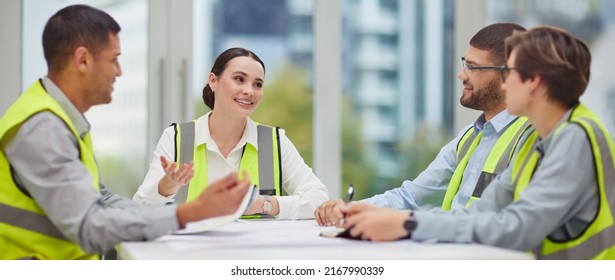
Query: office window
{"type": "Point", "coordinates": [396, 63]}
{"type": "Point", "coordinates": [119, 128]}
{"type": "Point", "coordinates": [592, 21]}
{"type": "Point", "coordinates": [396, 75]}
{"type": "Point", "coordinates": [280, 33]}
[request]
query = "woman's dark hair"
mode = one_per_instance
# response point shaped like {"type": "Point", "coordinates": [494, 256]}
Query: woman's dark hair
{"type": "Point", "coordinates": [72, 27]}
{"type": "Point", "coordinates": [219, 66]}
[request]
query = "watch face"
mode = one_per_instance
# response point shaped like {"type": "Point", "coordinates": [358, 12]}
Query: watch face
{"type": "Point", "coordinates": [267, 206]}
{"type": "Point", "coordinates": [410, 225]}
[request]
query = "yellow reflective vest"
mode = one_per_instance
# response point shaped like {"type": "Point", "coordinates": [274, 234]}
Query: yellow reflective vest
{"type": "Point", "coordinates": [598, 239]}
{"type": "Point", "coordinates": [25, 230]}
{"type": "Point", "coordinates": [263, 165]}
{"type": "Point", "coordinates": [497, 161]}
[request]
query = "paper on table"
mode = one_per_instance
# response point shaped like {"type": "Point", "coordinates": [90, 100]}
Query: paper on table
{"type": "Point", "coordinates": [212, 223]}
{"type": "Point", "coordinates": [246, 234]}
{"type": "Point", "coordinates": [339, 232]}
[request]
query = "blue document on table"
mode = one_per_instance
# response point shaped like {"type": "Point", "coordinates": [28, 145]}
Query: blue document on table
{"type": "Point", "coordinates": [215, 222]}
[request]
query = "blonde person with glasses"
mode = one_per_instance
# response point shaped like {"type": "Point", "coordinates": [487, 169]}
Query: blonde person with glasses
{"type": "Point", "coordinates": [465, 166]}
{"type": "Point", "coordinates": [557, 198]}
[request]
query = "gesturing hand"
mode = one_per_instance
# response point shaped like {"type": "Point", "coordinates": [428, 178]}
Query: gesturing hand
{"type": "Point", "coordinates": [174, 177]}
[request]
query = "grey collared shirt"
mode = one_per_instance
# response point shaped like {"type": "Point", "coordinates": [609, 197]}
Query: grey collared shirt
{"type": "Point", "coordinates": [44, 156]}
{"type": "Point", "coordinates": [560, 201]}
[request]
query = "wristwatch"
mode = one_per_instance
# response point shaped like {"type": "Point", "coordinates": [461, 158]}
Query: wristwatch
{"type": "Point", "coordinates": [267, 205]}
{"type": "Point", "coordinates": [409, 225]}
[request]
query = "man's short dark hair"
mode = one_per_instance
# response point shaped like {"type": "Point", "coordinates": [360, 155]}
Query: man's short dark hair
{"type": "Point", "coordinates": [72, 27]}
{"type": "Point", "coordinates": [491, 38]}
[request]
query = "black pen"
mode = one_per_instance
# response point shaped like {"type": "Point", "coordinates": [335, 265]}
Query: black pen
{"type": "Point", "coordinates": [348, 200]}
{"type": "Point", "coordinates": [349, 194]}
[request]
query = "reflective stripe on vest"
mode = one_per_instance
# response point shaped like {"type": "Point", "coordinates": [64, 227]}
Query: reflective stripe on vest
{"type": "Point", "coordinates": [497, 161]}
{"type": "Point", "coordinates": [466, 141]}
{"type": "Point", "coordinates": [29, 220]}
{"type": "Point", "coordinates": [597, 241]}
{"type": "Point", "coordinates": [262, 165]}
{"type": "Point", "coordinates": [524, 177]}
{"type": "Point", "coordinates": [265, 160]}
{"type": "Point", "coordinates": [25, 230]}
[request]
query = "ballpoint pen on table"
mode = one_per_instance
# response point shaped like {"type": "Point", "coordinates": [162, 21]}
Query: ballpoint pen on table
{"type": "Point", "coordinates": [348, 200]}
{"type": "Point", "coordinates": [349, 194]}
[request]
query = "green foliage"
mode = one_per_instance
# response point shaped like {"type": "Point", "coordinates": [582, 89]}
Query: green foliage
{"type": "Point", "coordinates": [287, 103]}
{"type": "Point", "coordinates": [415, 155]}
{"type": "Point", "coordinates": [356, 169]}
{"type": "Point", "coordinates": [418, 153]}
{"type": "Point", "coordinates": [120, 175]}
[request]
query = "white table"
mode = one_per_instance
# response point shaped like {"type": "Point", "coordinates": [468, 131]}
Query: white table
{"type": "Point", "coordinates": [298, 240]}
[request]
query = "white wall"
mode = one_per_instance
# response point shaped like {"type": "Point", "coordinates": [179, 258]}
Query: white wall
{"type": "Point", "coordinates": [327, 95]}
{"type": "Point", "coordinates": [470, 16]}
{"type": "Point", "coordinates": [10, 53]}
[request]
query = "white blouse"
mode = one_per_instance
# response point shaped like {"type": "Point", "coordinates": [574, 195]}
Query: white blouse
{"type": "Point", "coordinates": [305, 191]}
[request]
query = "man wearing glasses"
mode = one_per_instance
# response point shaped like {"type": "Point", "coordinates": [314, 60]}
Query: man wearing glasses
{"type": "Point", "coordinates": [482, 150]}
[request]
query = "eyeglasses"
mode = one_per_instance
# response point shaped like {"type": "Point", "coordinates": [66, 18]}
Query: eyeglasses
{"type": "Point", "coordinates": [505, 70]}
{"type": "Point", "coordinates": [465, 66]}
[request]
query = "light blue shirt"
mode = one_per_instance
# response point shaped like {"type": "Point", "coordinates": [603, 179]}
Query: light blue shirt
{"type": "Point", "coordinates": [427, 190]}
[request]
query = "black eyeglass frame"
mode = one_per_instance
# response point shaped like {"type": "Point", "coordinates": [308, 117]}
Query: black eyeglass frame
{"type": "Point", "coordinates": [465, 66]}
{"type": "Point", "coordinates": [505, 72]}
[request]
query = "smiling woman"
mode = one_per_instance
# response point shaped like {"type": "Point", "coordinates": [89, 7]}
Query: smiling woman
{"type": "Point", "coordinates": [226, 139]}
{"type": "Point", "coordinates": [236, 80]}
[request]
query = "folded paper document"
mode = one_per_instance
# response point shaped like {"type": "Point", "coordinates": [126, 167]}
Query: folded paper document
{"type": "Point", "coordinates": [215, 222]}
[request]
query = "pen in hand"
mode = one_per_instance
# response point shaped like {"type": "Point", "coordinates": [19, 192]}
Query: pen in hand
{"type": "Point", "coordinates": [348, 200]}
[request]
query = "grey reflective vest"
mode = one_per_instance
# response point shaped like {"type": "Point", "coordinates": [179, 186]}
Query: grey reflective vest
{"type": "Point", "coordinates": [497, 161]}
{"type": "Point", "coordinates": [263, 166]}
{"type": "Point", "coordinates": [598, 240]}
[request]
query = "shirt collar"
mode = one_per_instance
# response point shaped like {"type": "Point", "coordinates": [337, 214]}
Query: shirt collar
{"type": "Point", "coordinates": [204, 137]}
{"type": "Point", "coordinates": [544, 143]}
{"type": "Point", "coordinates": [499, 122]}
{"type": "Point", "coordinates": [78, 120]}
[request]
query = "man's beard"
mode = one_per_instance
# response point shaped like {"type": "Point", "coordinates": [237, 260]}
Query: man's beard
{"type": "Point", "coordinates": [483, 99]}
